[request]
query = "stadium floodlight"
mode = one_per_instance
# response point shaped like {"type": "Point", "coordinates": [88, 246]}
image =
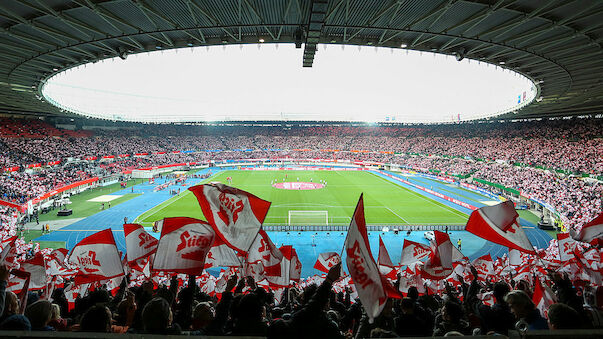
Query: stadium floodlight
{"type": "Point", "coordinates": [261, 40]}
{"type": "Point", "coordinates": [403, 46]}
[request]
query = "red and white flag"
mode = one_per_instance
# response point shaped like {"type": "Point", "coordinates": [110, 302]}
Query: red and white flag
{"type": "Point", "coordinates": [500, 225]}
{"type": "Point", "coordinates": [413, 252]}
{"type": "Point", "coordinates": [566, 245]}
{"type": "Point", "coordinates": [139, 243]}
{"type": "Point", "coordinates": [373, 289]}
{"type": "Point", "coordinates": [543, 298]}
{"type": "Point", "coordinates": [183, 245]}
{"type": "Point", "coordinates": [484, 266]}
{"type": "Point", "coordinates": [290, 268]}
{"type": "Point", "coordinates": [9, 252]}
{"type": "Point", "coordinates": [235, 215]}
{"type": "Point", "coordinates": [327, 260]}
{"type": "Point", "coordinates": [592, 232]}
{"type": "Point", "coordinates": [517, 257]}
{"type": "Point", "coordinates": [18, 283]}
{"type": "Point", "coordinates": [295, 267]}
{"type": "Point", "coordinates": [59, 255]}
{"type": "Point", "coordinates": [220, 255]}
{"type": "Point", "coordinates": [386, 267]}
{"type": "Point", "coordinates": [439, 264]}
{"type": "Point", "coordinates": [37, 270]}
{"type": "Point", "coordinates": [264, 251]}
{"type": "Point", "coordinates": [96, 258]}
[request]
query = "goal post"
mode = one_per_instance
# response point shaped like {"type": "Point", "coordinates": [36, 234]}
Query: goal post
{"type": "Point", "coordinates": [310, 218]}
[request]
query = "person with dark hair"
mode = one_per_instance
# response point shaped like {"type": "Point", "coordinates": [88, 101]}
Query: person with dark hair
{"type": "Point", "coordinates": [39, 315]}
{"type": "Point", "coordinates": [451, 319]}
{"type": "Point", "coordinates": [563, 317]}
{"type": "Point", "coordinates": [249, 317]}
{"type": "Point", "coordinates": [408, 323]}
{"type": "Point", "coordinates": [97, 319]}
{"type": "Point", "coordinates": [15, 322]}
{"type": "Point", "coordinates": [526, 314]}
{"type": "Point", "coordinates": [498, 317]}
{"type": "Point", "coordinates": [157, 318]}
{"type": "Point", "coordinates": [314, 312]}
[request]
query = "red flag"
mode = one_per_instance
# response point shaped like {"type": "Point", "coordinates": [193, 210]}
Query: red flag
{"type": "Point", "coordinates": [484, 267]}
{"type": "Point", "coordinates": [413, 252]}
{"type": "Point", "coordinates": [592, 232]}
{"type": "Point", "coordinates": [264, 251]}
{"type": "Point", "coordinates": [139, 243]}
{"type": "Point", "coordinates": [327, 260]}
{"type": "Point", "coordinates": [9, 252]}
{"type": "Point", "coordinates": [183, 246]}
{"type": "Point", "coordinates": [20, 278]}
{"type": "Point", "coordinates": [222, 255]}
{"type": "Point", "coordinates": [235, 215]}
{"type": "Point", "coordinates": [96, 257]}
{"type": "Point", "coordinates": [543, 298]}
{"type": "Point", "coordinates": [37, 270]}
{"type": "Point", "coordinates": [362, 267]}
{"type": "Point", "coordinates": [295, 267]}
{"type": "Point", "coordinates": [566, 246]}
{"type": "Point", "coordinates": [287, 266]}
{"type": "Point", "coordinates": [500, 225]}
{"type": "Point", "coordinates": [386, 267]}
{"type": "Point", "coordinates": [439, 264]}
{"type": "Point", "coordinates": [59, 254]}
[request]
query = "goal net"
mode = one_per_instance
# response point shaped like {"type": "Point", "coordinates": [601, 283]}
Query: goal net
{"type": "Point", "coordinates": [310, 218]}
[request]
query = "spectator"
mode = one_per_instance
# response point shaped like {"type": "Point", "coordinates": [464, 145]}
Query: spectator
{"type": "Point", "coordinates": [525, 312]}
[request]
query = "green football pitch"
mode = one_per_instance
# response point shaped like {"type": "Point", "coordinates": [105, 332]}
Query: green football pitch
{"type": "Point", "coordinates": [385, 203]}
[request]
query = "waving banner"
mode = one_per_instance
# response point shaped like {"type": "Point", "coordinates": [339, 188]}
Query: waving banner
{"type": "Point", "coordinates": [566, 245]}
{"type": "Point", "coordinates": [96, 257]}
{"type": "Point", "coordinates": [439, 264]}
{"type": "Point", "coordinates": [290, 267]}
{"type": "Point", "coordinates": [37, 270]}
{"type": "Point", "coordinates": [327, 260]}
{"type": "Point", "coordinates": [220, 255]}
{"type": "Point", "coordinates": [500, 225]}
{"type": "Point", "coordinates": [386, 267]}
{"type": "Point", "coordinates": [263, 251]}
{"type": "Point", "coordinates": [592, 232]}
{"type": "Point", "coordinates": [235, 215]}
{"type": "Point", "coordinates": [484, 266]}
{"type": "Point", "coordinates": [362, 267]}
{"type": "Point", "coordinates": [139, 243]}
{"type": "Point", "coordinates": [413, 252]}
{"type": "Point", "coordinates": [183, 245]}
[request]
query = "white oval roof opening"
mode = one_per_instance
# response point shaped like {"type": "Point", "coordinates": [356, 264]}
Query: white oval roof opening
{"type": "Point", "coordinates": [267, 82]}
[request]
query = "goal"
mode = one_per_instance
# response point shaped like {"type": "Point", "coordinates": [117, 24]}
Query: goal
{"type": "Point", "coordinates": [310, 218]}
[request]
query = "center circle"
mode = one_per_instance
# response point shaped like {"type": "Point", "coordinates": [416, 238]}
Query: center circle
{"type": "Point", "coordinates": [298, 185]}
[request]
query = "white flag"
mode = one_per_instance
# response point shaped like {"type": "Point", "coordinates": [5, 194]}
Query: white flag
{"type": "Point", "coordinates": [500, 225]}
{"type": "Point", "coordinates": [183, 245]}
{"type": "Point", "coordinates": [566, 246]}
{"type": "Point", "coordinates": [139, 243]}
{"type": "Point", "coordinates": [362, 267]}
{"type": "Point", "coordinates": [96, 257]}
{"type": "Point", "coordinates": [235, 215]}
{"type": "Point", "coordinates": [413, 252]}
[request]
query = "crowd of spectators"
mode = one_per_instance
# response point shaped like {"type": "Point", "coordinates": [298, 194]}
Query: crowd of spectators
{"type": "Point", "coordinates": [305, 310]}
{"type": "Point", "coordinates": [480, 150]}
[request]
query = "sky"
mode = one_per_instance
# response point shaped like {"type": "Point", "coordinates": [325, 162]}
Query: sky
{"type": "Point", "coordinates": [268, 82]}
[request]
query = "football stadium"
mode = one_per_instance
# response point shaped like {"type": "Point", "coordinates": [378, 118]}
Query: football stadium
{"type": "Point", "coordinates": [301, 168]}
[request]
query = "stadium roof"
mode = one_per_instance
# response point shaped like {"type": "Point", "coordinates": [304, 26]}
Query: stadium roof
{"type": "Point", "coordinates": [556, 43]}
